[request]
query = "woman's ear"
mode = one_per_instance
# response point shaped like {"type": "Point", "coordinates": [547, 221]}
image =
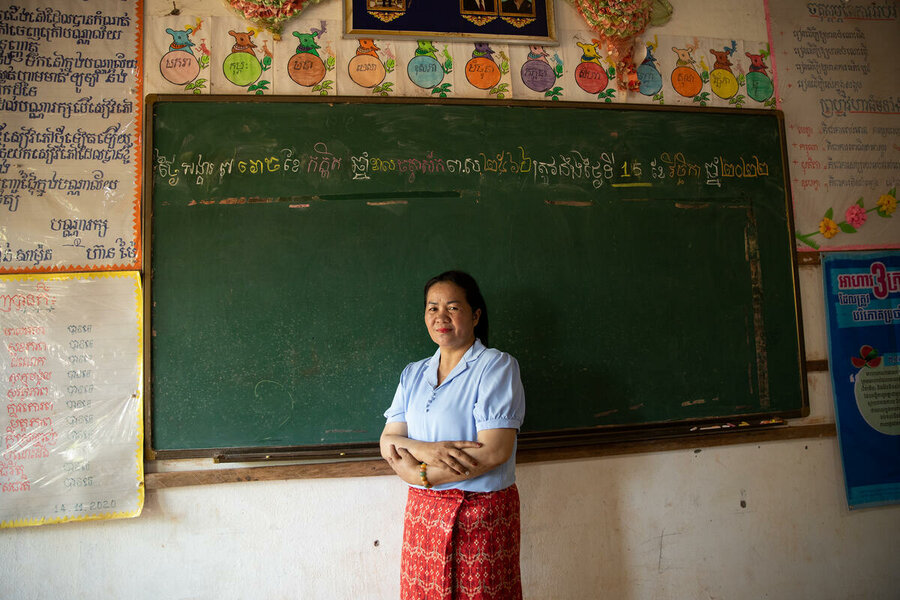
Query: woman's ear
{"type": "Point", "coordinates": [476, 316]}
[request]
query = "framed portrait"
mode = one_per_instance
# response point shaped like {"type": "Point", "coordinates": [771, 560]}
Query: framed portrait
{"type": "Point", "coordinates": [514, 21]}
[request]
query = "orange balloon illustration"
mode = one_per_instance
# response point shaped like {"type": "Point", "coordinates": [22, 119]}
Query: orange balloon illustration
{"type": "Point", "coordinates": [686, 81]}
{"type": "Point", "coordinates": [306, 69]}
{"type": "Point", "coordinates": [482, 72]}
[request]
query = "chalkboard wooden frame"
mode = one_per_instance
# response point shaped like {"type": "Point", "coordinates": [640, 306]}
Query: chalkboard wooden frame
{"type": "Point", "coordinates": [528, 440]}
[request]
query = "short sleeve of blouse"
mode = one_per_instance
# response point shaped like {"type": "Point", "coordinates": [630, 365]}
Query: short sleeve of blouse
{"type": "Point", "coordinates": [397, 411]}
{"type": "Point", "coordinates": [501, 398]}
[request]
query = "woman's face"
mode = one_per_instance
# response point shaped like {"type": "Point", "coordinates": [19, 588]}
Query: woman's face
{"type": "Point", "coordinates": [449, 317]}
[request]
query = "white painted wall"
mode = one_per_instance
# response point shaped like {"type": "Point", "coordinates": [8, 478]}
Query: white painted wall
{"type": "Point", "coordinates": [643, 527]}
{"type": "Point", "coordinates": [651, 526]}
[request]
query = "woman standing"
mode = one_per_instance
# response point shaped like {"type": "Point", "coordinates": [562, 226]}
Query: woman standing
{"type": "Point", "coordinates": [451, 434]}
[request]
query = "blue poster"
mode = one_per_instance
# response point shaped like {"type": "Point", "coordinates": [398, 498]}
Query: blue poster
{"type": "Point", "coordinates": [862, 299]}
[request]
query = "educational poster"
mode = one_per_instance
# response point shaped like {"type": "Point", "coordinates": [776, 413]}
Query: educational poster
{"type": "Point", "coordinates": [842, 114]}
{"type": "Point", "coordinates": [429, 68]}
{"type": "Point", "coordinates": [71, 419]}
{"type": "Point", "coordinates": [368, 67]}
{"type": "Point", "coordinates": [684, 67]}
{"type": "Point", "coordinates": [242, 58]}
{"type": "Point", "coordinates": [484, 70]}
{"type": "Point", "coordinates": [178, 55]}
{"type": "Point", "coordinates": [727, 77]}
{"type": "Point", "coordinates": [70, 91]}
{"type": "Point", "coordinates": [589, 74]}
{"type": "Point", "coordinates": [540, 71]}
{"type": "Point", "coordinates": [650, 79]}
{"type": "Point", "coordinates": [758, 75]}
{"type": "Point", "coordinates": [862, 296]}
{"type": "Point", "coordinates": [306, 58]}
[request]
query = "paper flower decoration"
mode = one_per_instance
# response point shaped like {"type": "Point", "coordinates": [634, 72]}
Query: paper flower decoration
{"type": "Point", "coordinates": [618, 22]}
{"type": "Point", "coordinates": [615, 18]}
{"type": "Point", "coordinates": [269, 14]}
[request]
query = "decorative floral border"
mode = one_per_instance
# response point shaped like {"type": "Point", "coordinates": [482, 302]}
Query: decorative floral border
{"type": "Point", "coordinates": [855, 217]}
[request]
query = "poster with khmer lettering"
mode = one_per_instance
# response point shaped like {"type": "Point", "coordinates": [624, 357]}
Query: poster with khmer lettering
{"type": "Point", "coordinates": [862, 297]}
{"type": "Point", "coordinates": [71, 433]}
{"type": "Point", "coordinates": [70, 90]}
{"type": "Point", "coordinates": [837, 83]}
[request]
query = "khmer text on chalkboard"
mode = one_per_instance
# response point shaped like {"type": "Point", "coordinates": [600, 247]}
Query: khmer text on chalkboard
{"type": "Point", "coordinates": [637, 262]}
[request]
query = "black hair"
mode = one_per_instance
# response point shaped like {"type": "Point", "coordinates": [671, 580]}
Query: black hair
{"type": "Point", "coordinates": [473, 297]}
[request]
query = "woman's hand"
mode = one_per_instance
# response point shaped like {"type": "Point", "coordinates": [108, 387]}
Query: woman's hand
{"type": "Point", "coordinates": [404, 464]}
{"type": "Point", "coordinates": [451, 455]}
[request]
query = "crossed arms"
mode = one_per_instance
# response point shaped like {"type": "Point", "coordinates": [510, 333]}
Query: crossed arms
{"type": "Point", "coordinates": [449, 461]}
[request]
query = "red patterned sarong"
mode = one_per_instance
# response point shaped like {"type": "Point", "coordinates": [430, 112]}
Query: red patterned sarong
{"type": "Point", "coordinates": [461, 545]}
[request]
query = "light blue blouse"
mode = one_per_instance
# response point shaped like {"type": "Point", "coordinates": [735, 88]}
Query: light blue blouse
{"type": "Point", "coordinates": [484, 391]}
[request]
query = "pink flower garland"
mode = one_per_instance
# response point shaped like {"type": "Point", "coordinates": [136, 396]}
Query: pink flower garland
{"type": "Point", "coordinates": [621, 19]}
{"type": "Point", "coordinates": [269, 14]}
{"type": "Point", "coordinates": [618, 22]}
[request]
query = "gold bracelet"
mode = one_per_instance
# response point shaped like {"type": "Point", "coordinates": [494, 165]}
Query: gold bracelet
{"type": "Point", "coordinates": [423, 474]}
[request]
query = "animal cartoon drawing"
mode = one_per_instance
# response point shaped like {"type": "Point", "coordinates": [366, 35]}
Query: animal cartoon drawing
{"type": "Point", "coordinates": [266, 51]}
{"type": "Point", "coordinates": [756, 64]}
{"type": "Point", "coordinates": [482, 71]}
{"type": "Point", "coordinates": [243, 67]}
{"type": "Point", "coordinates": [483, 49]}
{"type": "Point", "coordinates": [179, 65]}
{"type": "Point", "coordinates": [723, 56]}
{"type": "Point", "coordinates": [426, 48]}
{"type": "Point", "coordinates": [721, 79]}
{"type": "Point", "coordinates": [366, 68]}
{"type": "Point", "coordinates": [427, 71]}
{"type": "Point", "coordinates": [589, 52]}
{"type": "Point", "coordinates": [649, 59]}
{"type": "Point", "coordinates": [306, 43]}
{"type": "Point", "coordinates": [722, 61]}
{"type": "Point", "coordinates": [537, 74]}
{"type": "Point", "coordinates": [306, 67]}
{"type": "Point", "coordinates": [685, 78]}
{"type": "Point", "coordinates": [367, 47]}
{"type": "Point", "coordinates": [759, 85]}
{"type": "Point", "coordinates": [242, 42]}
{"type": "Point", "coordinates": [180, 40]}
{"type": "Point", "coordinates": [537, 53]}
{"type": "Point", "coordinates": [685, 59]}
{"type": "Point", "coordinates": [648, 74]}
{"type": "Point", "coordinates": [590, 74]}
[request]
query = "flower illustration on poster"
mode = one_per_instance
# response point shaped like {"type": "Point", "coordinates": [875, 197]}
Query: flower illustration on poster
{"type": "Point", "coordinates": [855, 217]}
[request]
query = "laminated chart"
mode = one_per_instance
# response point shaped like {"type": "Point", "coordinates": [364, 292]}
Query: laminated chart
{"type": "Point", "coordinates": [71, 422]}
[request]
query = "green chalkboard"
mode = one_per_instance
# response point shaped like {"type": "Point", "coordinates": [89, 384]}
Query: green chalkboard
{"type": "Point", "coordinates": [638, 262]}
